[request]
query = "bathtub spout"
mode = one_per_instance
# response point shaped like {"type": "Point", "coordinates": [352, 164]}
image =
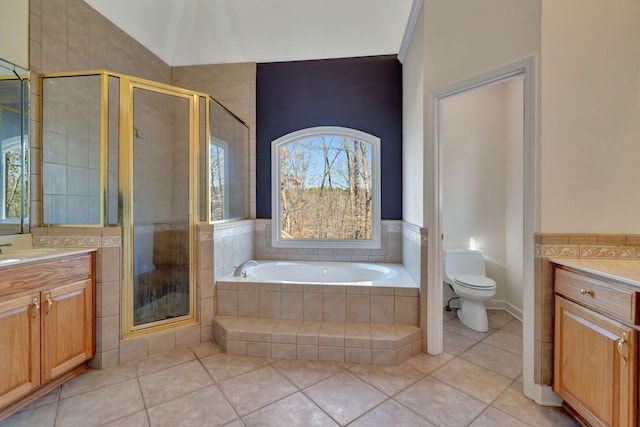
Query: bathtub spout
{"type": "Point", "coordinates": [240, 270]}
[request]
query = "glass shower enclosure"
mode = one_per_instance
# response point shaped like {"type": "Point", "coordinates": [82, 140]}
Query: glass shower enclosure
{"type": "Point", "coordinates": [119, 150]}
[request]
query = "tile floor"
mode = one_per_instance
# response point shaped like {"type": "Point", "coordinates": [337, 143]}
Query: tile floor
{"type": "Point", "coordinates": [475, 382]}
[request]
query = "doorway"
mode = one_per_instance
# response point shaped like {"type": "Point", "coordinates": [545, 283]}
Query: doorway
{"type": "Point", "coordinates": [522, 70]}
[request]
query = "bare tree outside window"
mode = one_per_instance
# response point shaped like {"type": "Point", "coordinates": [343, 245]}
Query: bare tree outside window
{"type": "Point", "coordinates": [326, 188]}
{"type": "Point", "coordinates": [217, 165]}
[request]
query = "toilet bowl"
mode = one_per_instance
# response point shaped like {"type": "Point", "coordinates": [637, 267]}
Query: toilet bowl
{"type": "Point", "coordinates": [464, 270]}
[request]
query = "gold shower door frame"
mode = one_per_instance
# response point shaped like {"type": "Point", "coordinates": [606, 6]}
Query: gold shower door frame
{"type": "Point", "coordinates": [126, 194]}
{"type": "Point", "coordinates": [127, 85]}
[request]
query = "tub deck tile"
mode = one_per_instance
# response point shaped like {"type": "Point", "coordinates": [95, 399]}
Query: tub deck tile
{"type": "Point", "coordinates": [314, 340]}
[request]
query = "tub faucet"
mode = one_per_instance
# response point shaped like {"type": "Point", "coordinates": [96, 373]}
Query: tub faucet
{"type": "Point", "coordinates": [240, 270]}
{"type": "Point", "coordinates": [3, 245]}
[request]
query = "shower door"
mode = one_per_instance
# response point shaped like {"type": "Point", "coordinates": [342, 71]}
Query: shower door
{"type": "Point", "coordinates": [157, 212]}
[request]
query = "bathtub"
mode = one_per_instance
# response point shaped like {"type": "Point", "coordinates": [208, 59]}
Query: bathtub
{"type": "Point", "coordinates": [327, 273]}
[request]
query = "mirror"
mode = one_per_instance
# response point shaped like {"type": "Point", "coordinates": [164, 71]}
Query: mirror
{"type": "Point", "coordinates": [14, 149]}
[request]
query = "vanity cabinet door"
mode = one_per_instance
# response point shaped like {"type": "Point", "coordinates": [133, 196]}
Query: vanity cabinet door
{"type": "Point", "coordinates": [595, 365]}
{"type": "Point", "coordinates": [19, 347]}
{"type": "Point", "coordinates": [67, 322]}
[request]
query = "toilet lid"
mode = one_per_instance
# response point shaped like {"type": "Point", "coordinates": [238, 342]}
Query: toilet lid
{"type": "Point", "coordinates": [474, 281]}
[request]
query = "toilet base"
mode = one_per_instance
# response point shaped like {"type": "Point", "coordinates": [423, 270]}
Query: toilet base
{"type": "Point", "coordinates": [473, 314]}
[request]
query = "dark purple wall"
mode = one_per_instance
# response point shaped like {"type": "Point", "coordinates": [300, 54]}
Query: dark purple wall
{"type": "Point", "coordinates": [359, 93]}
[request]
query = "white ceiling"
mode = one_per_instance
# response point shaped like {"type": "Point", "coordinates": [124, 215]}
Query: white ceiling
{"type": "Point", "coordinates": [190, 32]}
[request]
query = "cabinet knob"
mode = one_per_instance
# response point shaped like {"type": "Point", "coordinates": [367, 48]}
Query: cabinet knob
{"type": "Point", "coordinates": [621, 341]}
{"type": "Point", "coordinates": [584, 291]}
{"type": "Point", "coordinates": [49, 304]}
{"type": "Point", "coordinates": [36, 309]}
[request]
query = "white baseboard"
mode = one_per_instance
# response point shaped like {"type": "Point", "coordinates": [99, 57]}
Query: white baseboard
{"type": "Point", "coordinates": [494, 304]}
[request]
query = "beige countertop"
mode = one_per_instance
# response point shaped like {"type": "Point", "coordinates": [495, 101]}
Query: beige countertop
{"type": "Point", "coordinates": [626, 271]}
{"type": "Point", "coordinates": [21, 256]}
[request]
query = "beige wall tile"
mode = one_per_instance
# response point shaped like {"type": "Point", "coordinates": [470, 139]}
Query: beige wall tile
{"type": "Point", "coordinates": [110, 264]}
{"type": "Point", "coordinates": [206, 311]}
{"type": "Point", "coordinates": [308, 333]}
{"type": "Point", "coordinates": [236, 348]}
{"type": "Point", "coordinates": [187, 336]}
{"type": "Point", "coordinates": [109, 333]}
{"type": "Point", "coordinates": [133, 349]}
{"type": "Point", "coordinates": [259, 349]}
{"type": "Point", "coordinates": [283, 351]}
{"type": "Point", "coordinates": [227, 302]}
{"type": "Point", "coordinates": [286, 332]}
{"type": "Point", "coordinates": [384, 357]}
{"type": "Point", "coordinates": [270, 304]}
{"type": "Point", "coordinates": [307, 352]}
{"type": "Point", "coordinates": [161, 342]}
{"type": "Point", "coordinates": [358, 308]}
{"type": "Point", "coordinates": [292, 305]}
{"type": "Point", "coordinates": [206, 334]}
{"type": "Point", "coordinates": [406, 310]}
{"type": "Point", "coordinates": [357, 355]}
{"type": "Point", "coordinates": [382, 309]}
{"type": "Point", "coordinates": [332, 334]}
{"type": "Point", "coordinates": [313, 308]}
{"type": "Point", "coordinates": [331, 354]}
{"type": "Point", "coordinates": [248, 303]}
{"type": "Point", "coordinates": [110, 298]}
{"type": "Point", "coordinates": [334, 307]}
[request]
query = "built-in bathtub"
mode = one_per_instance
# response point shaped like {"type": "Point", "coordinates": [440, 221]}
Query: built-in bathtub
{"type": "Point", "coordinates": [324, 291]}
{"type": "Point", "coordinates": [327, 273]}
{"type": "Point", "coordinates": [336, 311]}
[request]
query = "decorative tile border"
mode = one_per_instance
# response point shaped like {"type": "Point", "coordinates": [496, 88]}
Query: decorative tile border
{"type": "Point", "coordinates": [111, 241]}
{"type": "Point", "coordinates": [603, 249]}
{"type": "Point", "coordinates": [67, 241]}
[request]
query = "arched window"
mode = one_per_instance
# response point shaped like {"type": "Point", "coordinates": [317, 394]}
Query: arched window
{"type": "Point", "coordinates": [326, 189]}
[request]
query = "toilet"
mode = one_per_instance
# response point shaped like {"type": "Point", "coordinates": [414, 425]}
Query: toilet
{"type": "Point", "coordinates": [464, 270]}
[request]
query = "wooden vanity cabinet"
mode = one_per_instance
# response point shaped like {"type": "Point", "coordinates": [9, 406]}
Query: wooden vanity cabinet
{"type": "Point", "coordinates": [47, 326]}
{"type": "Point", "coordinates": [596, 348]}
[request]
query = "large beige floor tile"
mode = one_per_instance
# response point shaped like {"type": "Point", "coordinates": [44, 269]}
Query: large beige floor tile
{"type": "Point", "coordinates": [390, 413]}
{"type": "Point", "coordinates": [514, 327]}
{"type": "Point", "coordinates": [41, 416]}
{"type": "Point", "coordinates": [94, 379]}
{"type": "Point", "coordinates": [491, 417]}
{"type": "Point", "coordinates": [498, 360]}
{"type": "Point", "coordinates": [100, 406]}
{"type": "Point", "coordinates": [344, 397]}
{"type": "Point", "coordinates": [223, 366]}
{"type": "Point", "coordinates": [139, 419]}
{"type": "Point", "coordinates": [205, 349]}
{"type": "Point", "coordinates": [303, 373]}
{"type": "Point", "coordinates": [440, 403]}
{"type": "Point", "coordinates": [457, 327]}
{"type": "Point", "coordinates": [295, 410]}
{"type": "Point", "coordinates": [481, 383]}
{"type": "Point", "coordinates": [388, 379]}
{"type": "Point", "coordinates": [173, 382]}
{"type": "Point", "coordinates": [157, 363]}
{"type": "Point", "coordinates": [505, 341]}
{"type": "Point", "coordinates": [428, 363]}
{"type": "Point", "coordinates": [498, 318]}
{"type": "Point", "coordinates": [456, 344]}
{"type": "Point", "coordinates": [256, 389]}
{"type": "Point", "coordinates": [205, 407]}
{"type": "Point", "coordinates": [514, 403]}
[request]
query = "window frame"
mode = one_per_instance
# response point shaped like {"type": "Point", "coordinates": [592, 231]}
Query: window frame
{"type": "Point", "coordinates": [374, 142]}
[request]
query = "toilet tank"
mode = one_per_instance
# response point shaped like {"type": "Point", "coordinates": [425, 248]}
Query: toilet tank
{"type": "Point", "coordinates": [462, 261]}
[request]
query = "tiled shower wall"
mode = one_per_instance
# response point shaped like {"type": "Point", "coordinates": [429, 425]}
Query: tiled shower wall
{"type": "Point", "coordinates": [560, 245]}
{"type": "Point", "coordinates": [234, 86]}
{"type": "Point", "coordinates": [68, 35]}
